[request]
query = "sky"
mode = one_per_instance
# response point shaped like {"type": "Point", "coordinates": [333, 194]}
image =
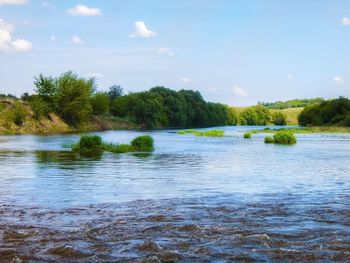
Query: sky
{"type": "Point", "coordinates": [234, 52]}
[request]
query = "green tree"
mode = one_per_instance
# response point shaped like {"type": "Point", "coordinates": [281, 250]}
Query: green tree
{"type": "Point", "coordinates": [100, 103]}
{"type": "Point", "coordinates": [73, 98]}
{"type": "Point", "coordinates": [46, 89]}
{"type": "Point", "coordinates": [255, 115]}
{"type": "Point", "coordinates": [39, 107]}
{"type": "Point", "coordinates": [115, 91]}
{"type": "Point", "coordinates": [279, 118]}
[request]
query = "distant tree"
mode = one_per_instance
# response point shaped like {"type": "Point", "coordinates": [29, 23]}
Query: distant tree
{"type": "Point", "coordinates": [25, 96]}
{"type": "Point", "coordinates": [329, 112]}
{"type": "Point", "coordinates": [114, 92]}
{"type": "Point", "coordinates": [46, 89]}
{"type": "Point", "coordinates": [255, 115]}
{"type": "Point", "coordinates": [100, 103]}
{"type": "Point", "coordinates": [279, 118]}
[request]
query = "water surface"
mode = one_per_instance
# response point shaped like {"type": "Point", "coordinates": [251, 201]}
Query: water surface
{"type": "Point", "coordinates": [193, 199]}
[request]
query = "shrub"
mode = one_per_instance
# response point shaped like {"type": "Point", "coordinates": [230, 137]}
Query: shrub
{"type": "Point", "coordinates": [18, 114]}
{"type": "Point", "coordinates": [269, 139]}
{"type": "Point", "coordinates": [143, 143]}
{"type": "Point", "coordinates": [247, 135]}
{"type": "Point", "coordinates": [89, 144]}
{"type": "Point", "coordinates": [279, 118]}
{"type": "Point", "coordinates": [283, 137]}
{"type": "Point", "coordinates": [39, 108]}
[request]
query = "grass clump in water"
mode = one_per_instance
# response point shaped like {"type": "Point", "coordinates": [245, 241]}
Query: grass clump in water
{"type": "Point", "coordinates": [282, 137]}
{"type": "Point", "coordinates": [247, 135]}
{"type": "Point", "coordinates": [210, 133]}
{"type": "Point", "coordinates": [269, 139]}
{"type": "Point", "coordinates": [94, 144]}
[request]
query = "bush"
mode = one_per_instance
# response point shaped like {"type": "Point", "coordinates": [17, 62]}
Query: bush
{"type": "Point", "coordinates": [283, 137]}
{"type": "Point", "coordinates": [39, 108]}
{"type": "Point", "coordinates": [269, 139]}
{"type": "Point", "coordinates": [119, 148]}
{"type": "Point", "coordinates": [143, 143]}
{"type": "Point", "coordinates": [247, 135]}
{"type": "Point", "coordinates": [89, 144]}
{"type": "Point", "coordinates": [279, 118]}
{"type": "Point", "coordinates": [18, 114]}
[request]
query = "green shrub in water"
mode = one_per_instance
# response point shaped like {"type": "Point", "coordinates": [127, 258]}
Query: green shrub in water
{"type": "Point", "coordinates": [269, 139]}
{"type": "Point", "coordinates": [143, 143]}
{"type": "Point", "coordinates": [89, 144]}
{"type": "Point", "coordinates": [247, 135]}
{"type": "Point", "coordinates": [283, 137]}
{"type": "Point", "coordinates": [119, 148]}
{"type": "Point", "coordinates": [209, 133]}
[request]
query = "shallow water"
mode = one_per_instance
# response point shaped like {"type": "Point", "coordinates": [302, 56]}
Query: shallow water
{"type": "Point", "coordinates": [194, 199]}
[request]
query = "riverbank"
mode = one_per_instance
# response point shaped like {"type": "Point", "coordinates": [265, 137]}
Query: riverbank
{"type": "Point", "coordinates": [304, 130]}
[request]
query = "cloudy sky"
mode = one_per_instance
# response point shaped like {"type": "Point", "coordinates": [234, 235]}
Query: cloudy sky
{"type": "Point", "coordinates": [235, 52]}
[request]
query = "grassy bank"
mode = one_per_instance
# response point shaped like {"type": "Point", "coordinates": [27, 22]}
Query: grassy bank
{"type": "Point", "coordinates": [305, 130]}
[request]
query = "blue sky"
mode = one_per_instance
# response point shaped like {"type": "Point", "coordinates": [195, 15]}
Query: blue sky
{"type": "Point", "coordinates": [234, 52]}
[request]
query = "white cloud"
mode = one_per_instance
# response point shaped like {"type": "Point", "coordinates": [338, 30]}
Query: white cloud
{"type": "Point", "coordinates": [165, 51]}
{"type": "Point", "coordinates": [345, 21]}
{"type": "Point", "coordinates": [185, 80]}
{"type": "Point", "coordinates": [95, 75]}
{"type": "Point", "coordinates": [76, 40]}
{"type": "Point", "coordinates": [338, 80]}
{"type": "Point", "coordinates": [6, 26]}
{"type": "Point", "coordinates": [6, 42]}
{"type": "Point", "coordinates": [52, 38]}
{"type": "Point", "coordinates": [83, 10]}
{"type": "Point", "coordinates": [239, 91]}
{"type": "Point", "coordinates": [13, 2]}
{"type": "Point", "coordinates": [22, 45]}
{"type": "Point", "coordinates": [289, 76]}
{"type": "Point", "coordinates": [141, 30]}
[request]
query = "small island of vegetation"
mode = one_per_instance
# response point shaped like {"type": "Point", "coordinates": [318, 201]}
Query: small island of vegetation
{"type": "Point", "coordinates": [94, 145]}
{"type": "Point", "coordinates": [209, 133]}
{"type": "Point", "coordinates": [282, 137]}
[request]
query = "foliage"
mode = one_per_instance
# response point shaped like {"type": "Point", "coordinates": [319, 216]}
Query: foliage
{"type": "Point", "coordinates": [114, 92]}
{"type": "Point", "coordinates": [100, 103]}
{"type": "Point", "coordinates": [39, 107]}
{"type": "Point", "coordinates": [330, 112]}
{"type": "Point", "coordinates": [247, 135]}
{"type": "Point", "coordinates": [296, 103]}
{"type": "Point", "coordinates": [306, 130]}
{"type": "Point", "coordinates": [269, 139]}
{"type": "Point", "coordinates": [46, 89]}
{"type": "Point", "coordinates": [279, 118]}
{"type": "Point", "coordinates": [210, 133]}
{"type": "Point", "coordinates": [283, 137]}
{"type": "Point", "coordinates": [89, 144]}
{"type": "Point", "coordinates": [94, 144]}
{"type": "Point", "coordinates": [143, 143]}
{"type": "Point", "coordinates": [18, 114]}
{"type": "Point", "coordinates": [255, 115]}
{"type": "Point", "coordinates": [73, 97]}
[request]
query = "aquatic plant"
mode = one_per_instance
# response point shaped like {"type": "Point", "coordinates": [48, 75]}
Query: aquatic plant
{"type": "Point", "coordinates": [210, 133]}
{"type": "Point", "coordinates": [89, 144]}
{"type": "Point", "coordinates": [269, 139]}
{"type": "Point", "coordinates": [94, 144]}
{"type": "Point", "coordinates": [143, 143]}
{"type": "Point", "coordinates": [283, 137]}
{"type": "Point", "coordinates": [247, 135]}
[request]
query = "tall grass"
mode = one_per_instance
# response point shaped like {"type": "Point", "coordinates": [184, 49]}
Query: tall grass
{"type": "Point", "coordinates": [210, 133]}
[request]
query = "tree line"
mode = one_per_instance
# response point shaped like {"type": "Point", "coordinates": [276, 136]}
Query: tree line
{"type": "Point", "coordinates": [331, 112]}
{"type": "Point", "coordinates": [76, 99]}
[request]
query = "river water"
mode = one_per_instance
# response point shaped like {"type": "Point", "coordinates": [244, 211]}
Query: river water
{"type": "Point", "coordinates": [195, 199]}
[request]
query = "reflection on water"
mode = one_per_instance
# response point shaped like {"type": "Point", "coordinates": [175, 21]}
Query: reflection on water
{"type": "Point", "coordinates": [194, 199]}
